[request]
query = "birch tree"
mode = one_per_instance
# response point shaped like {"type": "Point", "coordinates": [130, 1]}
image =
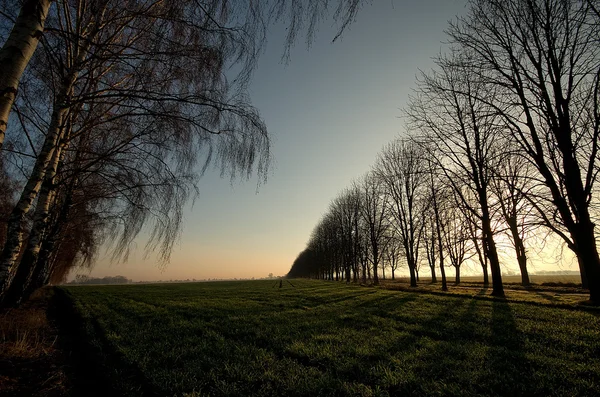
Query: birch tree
{"type": "Point", "coordinates": [16, 53]}
{"type": "Point", "coordinates": [112, 66]}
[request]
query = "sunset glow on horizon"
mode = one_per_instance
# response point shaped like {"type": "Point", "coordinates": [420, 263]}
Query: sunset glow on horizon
{"type": "Point", "coordinates": [329, 112]}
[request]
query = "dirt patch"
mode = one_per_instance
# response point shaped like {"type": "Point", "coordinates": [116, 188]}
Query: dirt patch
{"type": "Point", "coordinates": [31, 362]}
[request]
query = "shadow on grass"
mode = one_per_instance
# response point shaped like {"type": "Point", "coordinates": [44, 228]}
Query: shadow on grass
{"type": "Point", "coordinates": [431, 351]}
{"type": "Point", "coordinates": [508, 371]}
{"type": "Point", "coordinates": [541, 294]}
{"type": "Point", "coordinates": [94, 368]}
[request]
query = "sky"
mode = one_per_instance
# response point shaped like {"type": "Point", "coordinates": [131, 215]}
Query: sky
{"type": "Point", "coordinates": [329, 112]}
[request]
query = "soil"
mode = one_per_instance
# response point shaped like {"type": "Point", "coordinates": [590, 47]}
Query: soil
{"type": "Point", "coordinates": [31, 361]}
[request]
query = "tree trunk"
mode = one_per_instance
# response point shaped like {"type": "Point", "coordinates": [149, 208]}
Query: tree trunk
{"type": "Point", "coordinates": [519, 249]}
{"type": "Point", "coordinates": [482, 260]}
{"type": "Point", "coordinates": [413, 277]}
{"type": "Point", "coordinates": [41, 270]}
{"type": "Point", "coordinates": [348, 275]}
{"type": "Point", "coordinates": [393, 274]}
{"type": "Point", "coordinates": [364, 272]}
{"type": "Point", "coordinates": [457, 277]}
{"type": "Point", "coordinates": [433, 277]}
{"type": "Point", "coordinates": [492, 254]}
{"type": "Point", "coordinates": [490, 247]}
{"type": "Point", "coordinates": [14, 240]}
{"type": "Point", "coordinates": [16, 53]}
{"type": "Point", "coordinates": [486, 277]}
{"type": "Point", "coordinates": [440, 247]}
{"type": "Point", "coordinates": [375, 275]}
{"type": "Point", "coordinates": [16, 290]}
{"type": "Point", "coordinates": [443, 272]}
{"type": "Point", "coordinates": [587, 256]}
{"type": "Point", "coordinates": [522, 259]}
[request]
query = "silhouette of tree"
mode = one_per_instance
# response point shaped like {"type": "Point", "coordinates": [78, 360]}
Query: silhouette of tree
{"type": "Point", "coordinates": [458, 237]}
{"type": "Point", "coordinates": [375, 205]}
{"type": "Point", "coordinates": [542, 61]}
{"type": "Point", "coordinates": [138, 96]}
{"type": "Point", "coordinates": [511, 184]}
{"type": "Point", "coordinates": [400, 170]}
{"type": "Point", "coordinates": [461, 130]}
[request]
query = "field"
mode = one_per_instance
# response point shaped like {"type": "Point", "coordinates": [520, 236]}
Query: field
{"type": "Point", "coordinates": [534, 278]}
{"type": "Point", "coordinates": [325, 338]}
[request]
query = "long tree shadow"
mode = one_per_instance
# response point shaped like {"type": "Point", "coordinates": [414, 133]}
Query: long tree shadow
{"type": "Point", "coordinates": [466, 350]}
{"type": "Point", "coordinates": [437, 350]}
{"type": "Point", "coordinates": [93, 367]}
{"type": "Point", "coordinates": [507, 369]}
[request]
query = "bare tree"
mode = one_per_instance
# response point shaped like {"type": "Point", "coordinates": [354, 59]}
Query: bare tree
{"type": "Point", "coordinates": [123, 97]}
{"type": "Point", "coordinates": [542, 60]}
{"type": "Point", "coordinates": [461, 131]}
{"type": "Point", "coordinates": [437, 204]}
{"type": "Point", "coordinates": [374, 214]}
{"type": "Point", "coordinates": [399, 169]}
{"type": "Point", "coordinates": [393, 252]}
{"type": "Point", "coordinates": [346, 211]}
{"type": "Point", "coordinates": [512, 184]}
{"type": "Point", "coordinates": [457, 241]}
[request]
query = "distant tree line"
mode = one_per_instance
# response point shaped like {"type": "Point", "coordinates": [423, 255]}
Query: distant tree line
{"type": "Point", "coordinates": [111, 110]}
{"type": "Point", "coordinates": [503, 141]}
{"type": "Point", "coordinates": [83, 279]}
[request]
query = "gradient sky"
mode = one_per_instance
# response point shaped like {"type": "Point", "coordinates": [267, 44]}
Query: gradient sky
{"type": "Point", "coordinates": [329, 113]}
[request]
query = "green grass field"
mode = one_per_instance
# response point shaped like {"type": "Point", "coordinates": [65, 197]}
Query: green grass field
{"type": "Point", "coordinates": [325, 338]}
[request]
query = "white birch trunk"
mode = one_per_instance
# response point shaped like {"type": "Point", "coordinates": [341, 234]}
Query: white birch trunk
{"type": "Point", "coordinates": [14, 234]}
{"type": "Point", "coordinates": [42, 210]}
{"type": "Point", "coordinates": [16, 53]}
{"type": "Point", "coordinates": [16, 287]}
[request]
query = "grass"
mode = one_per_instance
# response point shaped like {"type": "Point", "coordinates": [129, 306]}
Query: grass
{"type": "Point", "coordinates": [555, 294]}
{"type": "Point", "coordinates": [570, 279]}
{"type": "Point", "coordinates": [325, 338]}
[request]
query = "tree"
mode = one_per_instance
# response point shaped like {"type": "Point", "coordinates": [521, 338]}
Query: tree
{"type": "Point", "coordinates": [112, 67]}
{"type": "Point", "coordinates": [130, 86]}
{"type": "Point", "coordinates": [16, 53]}
{"type": "Point", "coordinates": [393, 252]}
{"type": "Point", "coordinates": [457, 239]}
{"type": "Point", "coordinates": [542, 60]}
{"type": "Point", "coordinates": [398, 167]}
{"type": "Point", "coordinates": [374, 215]}
{"type": "Point", "coordinates": [437, 204]}
{"type": "Point", "coordinates": [511, 184]}
{"type": "Point", "coordinates": [461, 130]}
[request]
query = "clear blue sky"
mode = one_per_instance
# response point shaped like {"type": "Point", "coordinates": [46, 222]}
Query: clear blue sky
{"type": "Point", "coordinates": [329, 113]}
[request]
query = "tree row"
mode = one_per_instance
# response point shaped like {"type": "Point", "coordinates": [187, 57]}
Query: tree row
{"type": "Point", "coordinates": [502, 145]}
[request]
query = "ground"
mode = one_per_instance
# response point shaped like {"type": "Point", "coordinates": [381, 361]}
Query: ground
{"type": "Point", "coordinates": [31, 361]}
{"type": "Point", "coordinates": [313, 338]}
